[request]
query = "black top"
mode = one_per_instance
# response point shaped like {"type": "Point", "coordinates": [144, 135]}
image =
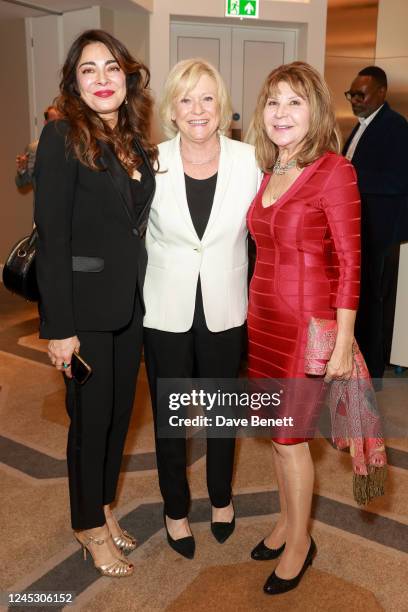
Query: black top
{"type": "Point", "coordinates": [141, 190]}
{"type": "Point", "coordinates": [200, 196]}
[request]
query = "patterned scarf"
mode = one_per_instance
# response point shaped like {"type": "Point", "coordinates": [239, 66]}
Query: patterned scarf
{"type": "Point", "coordinates": [354, 413]}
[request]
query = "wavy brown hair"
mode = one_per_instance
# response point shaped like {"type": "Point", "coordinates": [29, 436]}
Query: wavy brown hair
{"type": "Point", "coordinates": [322, 135]}
{"type": "Point", "coordinates": [87, 127]}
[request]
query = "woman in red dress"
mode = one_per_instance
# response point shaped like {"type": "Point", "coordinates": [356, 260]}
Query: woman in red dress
{"type": "Point", "coordinates": [305, 221]}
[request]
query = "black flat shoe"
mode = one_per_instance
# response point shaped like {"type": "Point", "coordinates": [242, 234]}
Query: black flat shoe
{"type": "Point", "coordinates": [183, 546]}
{"type": "Point", "coordinates": [275, 585]}
{"type": "Point", "coordinates": [262, 553]}
{"type": "Point", "coordinates": [222, 531]}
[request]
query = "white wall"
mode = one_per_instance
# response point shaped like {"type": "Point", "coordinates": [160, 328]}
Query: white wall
{"type": "Point", "coordinates": [75, 22]}
{"type": "Point", "coordinates": [133, 30]}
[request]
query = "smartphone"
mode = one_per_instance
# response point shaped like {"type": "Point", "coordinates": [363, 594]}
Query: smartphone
{"type": "Point", "coordinates": [80, 370]}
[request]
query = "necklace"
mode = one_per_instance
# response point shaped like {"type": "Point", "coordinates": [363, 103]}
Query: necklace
{"type": "Point", "coordinates": [200, 163]}
{"type": "Point", "coordinates": [279, 169]}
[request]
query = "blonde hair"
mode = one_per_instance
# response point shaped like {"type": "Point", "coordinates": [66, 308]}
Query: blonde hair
{"type": "Point", "coordinates": [323, 133]}
{"type": "Point", "coordinates": [182, 78]}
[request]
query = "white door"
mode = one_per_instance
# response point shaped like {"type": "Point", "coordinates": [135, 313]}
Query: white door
{"type": "Point", "coordinates": [244, 56]}
{"type": "Point", "coordinates": [255, 53]}
{"type": "Point", "coordinates": [45, 57]}
{"type": "Point", "coordinates": [212, 43]}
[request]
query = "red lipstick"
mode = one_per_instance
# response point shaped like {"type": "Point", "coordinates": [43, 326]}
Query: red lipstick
{"type": "Point", "coordinates": [104, 93]}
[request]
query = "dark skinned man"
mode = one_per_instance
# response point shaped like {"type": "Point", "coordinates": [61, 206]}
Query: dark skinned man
{"type": "Point", "coordinates": [378, 149]}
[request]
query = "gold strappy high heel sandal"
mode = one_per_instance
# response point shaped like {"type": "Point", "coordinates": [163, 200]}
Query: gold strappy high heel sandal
{"type": "Point", "coordinates": [125, 542]}
{"type": "Point", "coordinates": [117, 569]}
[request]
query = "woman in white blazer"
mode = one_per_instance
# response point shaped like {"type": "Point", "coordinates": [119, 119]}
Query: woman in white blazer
{"type": "Point", "coordinates": [195, 289]}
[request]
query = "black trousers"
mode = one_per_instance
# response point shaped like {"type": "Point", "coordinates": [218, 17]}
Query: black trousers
{"type": "Point", "coordinates": [375, 316]}
{"type": "Point", "coordinates": [100, 412]}
{"type": "Point", "coordinates": [197, 353]}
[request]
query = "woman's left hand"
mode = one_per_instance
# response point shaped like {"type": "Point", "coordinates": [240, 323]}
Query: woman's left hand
{"type": "Point", "coordinates": [340, 364]}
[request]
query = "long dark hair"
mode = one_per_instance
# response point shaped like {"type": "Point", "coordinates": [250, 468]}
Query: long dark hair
{"type": "Point", "coordinates": [134, 118]}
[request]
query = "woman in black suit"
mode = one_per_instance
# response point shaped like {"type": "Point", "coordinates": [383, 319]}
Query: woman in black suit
{"type": "Point", "coordinates": [95, 184]}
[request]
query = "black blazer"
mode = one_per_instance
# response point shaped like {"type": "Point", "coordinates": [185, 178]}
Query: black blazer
{"type": "Point", "coordinates": [381, 163]}
{"type": "Point", "coordinates": [91, 258]}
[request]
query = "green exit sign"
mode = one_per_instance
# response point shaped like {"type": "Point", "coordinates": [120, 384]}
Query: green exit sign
{"type": "Point", "coordinates": [242, 8]}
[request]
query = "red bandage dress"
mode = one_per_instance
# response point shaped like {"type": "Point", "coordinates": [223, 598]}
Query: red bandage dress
{"type": "Point", "coordinates": [307, 264]}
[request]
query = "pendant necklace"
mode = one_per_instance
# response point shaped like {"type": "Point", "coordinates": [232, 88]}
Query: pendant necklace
{"type": "Point", "coordinates": [283, 169]}
{"type": "Point", "coordinates": [280, 169]}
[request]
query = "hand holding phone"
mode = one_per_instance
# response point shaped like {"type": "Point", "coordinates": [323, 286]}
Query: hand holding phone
{"type": "Point", "coordinates": [80, 370]}
{"type": "Point", "coordinates": [60, 352]}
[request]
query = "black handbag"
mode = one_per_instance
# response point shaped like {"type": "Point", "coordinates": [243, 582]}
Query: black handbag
{"type": "Point", "coordinates": [19, 270]}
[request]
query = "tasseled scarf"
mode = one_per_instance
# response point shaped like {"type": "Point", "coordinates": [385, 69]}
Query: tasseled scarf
{"type": "Point", "coordinates": [354, 413]}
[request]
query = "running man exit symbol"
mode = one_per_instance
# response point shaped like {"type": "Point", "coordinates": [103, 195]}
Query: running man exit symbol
{"type": "Point", "coordinates": [242, 8]}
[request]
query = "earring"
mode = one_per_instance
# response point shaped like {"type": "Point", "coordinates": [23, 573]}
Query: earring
{"type": "Point", "coordinates": [126, 100]}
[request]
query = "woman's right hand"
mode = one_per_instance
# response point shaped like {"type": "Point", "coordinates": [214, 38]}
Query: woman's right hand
{"type": "Point", "coordinates": [60, 352]}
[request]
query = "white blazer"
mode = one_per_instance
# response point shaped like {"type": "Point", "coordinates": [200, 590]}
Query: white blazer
{"type": "Point", "coordinates": [176, 256]}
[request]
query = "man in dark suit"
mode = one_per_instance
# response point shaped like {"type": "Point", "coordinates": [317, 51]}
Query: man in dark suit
{"type": "Point", "coordinates": [378, 149]}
